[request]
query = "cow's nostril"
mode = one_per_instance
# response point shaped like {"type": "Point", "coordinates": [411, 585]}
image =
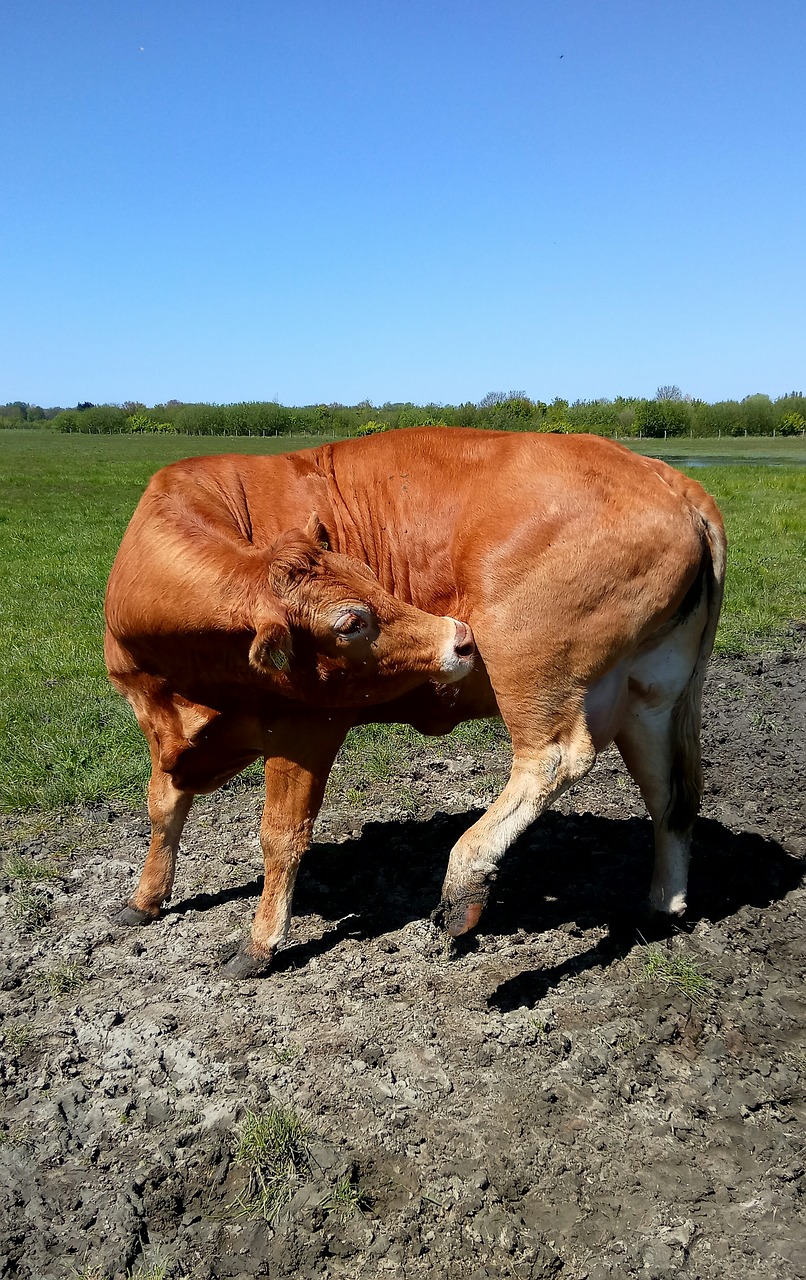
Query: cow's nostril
{"type": "Point", "coordinates": [463, 645]}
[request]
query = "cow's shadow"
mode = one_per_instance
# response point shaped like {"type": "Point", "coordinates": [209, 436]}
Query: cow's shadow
{"type": "Point", "coordinates": [576, 870]}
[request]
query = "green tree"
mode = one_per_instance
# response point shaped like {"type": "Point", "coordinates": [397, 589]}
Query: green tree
{"type": "Point", "coordinates": [659, 418]}
{"type": "Point", "coordinates": [758, 416]}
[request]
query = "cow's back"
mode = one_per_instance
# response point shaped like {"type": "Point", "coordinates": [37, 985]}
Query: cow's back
{"type": "Point", "coordinates": [450, 517]}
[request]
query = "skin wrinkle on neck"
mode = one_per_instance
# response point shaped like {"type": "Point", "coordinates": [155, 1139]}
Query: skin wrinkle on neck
{"type": "Point", "coordinates": [241, 512]}
{"type": "Point", "coordinates": [362, 536]}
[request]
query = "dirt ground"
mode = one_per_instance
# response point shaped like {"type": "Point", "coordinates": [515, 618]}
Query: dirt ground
{"type": "Point", "coordinates": [532, 1105]}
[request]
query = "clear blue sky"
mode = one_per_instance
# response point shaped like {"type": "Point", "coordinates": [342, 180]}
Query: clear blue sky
{"type": "Point", "coordinates": [332, 200]}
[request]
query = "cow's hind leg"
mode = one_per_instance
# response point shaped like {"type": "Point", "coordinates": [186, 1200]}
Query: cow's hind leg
{"type": "Point", "coordinates": [660, 746]}
{"type": "Point", "coordinates": [297, 768]}
{"type": "Point", "coordinates": [539, 774]}
{"type": "Point", "coordinates": [168, 807]}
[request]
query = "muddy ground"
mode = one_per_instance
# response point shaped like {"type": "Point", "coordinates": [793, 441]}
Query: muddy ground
{"type": "Point", "coordinates": [532, 1105]}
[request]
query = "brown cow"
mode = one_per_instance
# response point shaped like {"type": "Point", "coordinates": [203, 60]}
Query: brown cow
{"type": "Point", "coordinates": [591, 578]}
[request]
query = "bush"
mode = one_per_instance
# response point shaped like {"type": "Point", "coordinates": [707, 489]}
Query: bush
{"type": "Point", "coordinates": [142, 422]}
{"type": "Point", "coordinates": [372, 428]}
{"type": "Point", "coordinates": [792, 424]}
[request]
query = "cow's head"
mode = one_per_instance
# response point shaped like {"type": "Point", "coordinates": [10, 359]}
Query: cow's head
{"type": "Point", "coordinates": [327, 628]}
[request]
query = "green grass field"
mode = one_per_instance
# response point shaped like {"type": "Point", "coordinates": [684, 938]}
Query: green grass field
{"type": "Point", "coordinates": [64, 503]}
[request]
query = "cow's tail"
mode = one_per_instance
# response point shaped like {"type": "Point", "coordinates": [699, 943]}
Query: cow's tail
{"type": "Point", "coordinates": [686, 769]}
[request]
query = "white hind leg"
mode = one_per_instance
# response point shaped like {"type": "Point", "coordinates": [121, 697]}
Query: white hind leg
{"type": "Point", "coordinates": [659, 739]}
{"type": "Point", "coordinates": [647, 744]}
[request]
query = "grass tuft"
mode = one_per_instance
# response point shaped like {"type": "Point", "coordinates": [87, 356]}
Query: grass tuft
{"type": "Point", "coordinates": [145, 1271]}
{"type": "Point", "coordinates": [273, 1147]}
{"type": "Point", "coordinates": [21, 868]}
{"type": "Point", "coordinates": [346, 1199]}
{"type": "Point", "coordinates": [29, 907]}
{"type": "Point", "coordinates": [676, 973]}
{"type": "Point", "coordinates": [285, 1056]}
{"type": "Point", "coordinates": [16, 1037]}
{"type": "Point", "coordinates": [63, 978]}
{"type": "Point", "coordinates": [150, 1271]}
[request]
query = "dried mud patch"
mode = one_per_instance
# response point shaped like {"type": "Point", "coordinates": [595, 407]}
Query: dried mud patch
{"type": "Point", "coordinates": [531, 1104]}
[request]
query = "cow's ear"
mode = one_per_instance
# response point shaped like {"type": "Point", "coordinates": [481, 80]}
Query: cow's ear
{"type": "Point", "coordinates": [292, 558]}
{"type": "Point", "coordinates": [316, 531]}
{"type": "Point", "coordinates": [270, 650]}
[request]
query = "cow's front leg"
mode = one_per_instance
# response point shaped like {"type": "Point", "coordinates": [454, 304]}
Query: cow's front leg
{"type": "Point", "coordinates": [168, 807]}
{"type": "Point", "coordinates": [301, 753]}
{"type": "Point", "coordinates": [537, 778]}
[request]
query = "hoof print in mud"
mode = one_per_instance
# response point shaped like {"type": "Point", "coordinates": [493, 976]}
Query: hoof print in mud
{"type": "Point", "coordinates": [134, 917]}
{"type": "Point", "coordinates": [242, 964]}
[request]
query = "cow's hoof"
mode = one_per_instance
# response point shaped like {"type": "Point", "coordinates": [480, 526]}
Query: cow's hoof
{"type": "Point", "coordinates": [133, 916]}
{"type": "Point", "coordinates": [660, 924]}
{"type": "Point", "coordinates": [243, 964]}
{"type": "Point", "coordinates": [676, 909]}
{"type": "Point", "coordinates": [672, 910]}
{"type": "Point", "coordinates": [458, 917]}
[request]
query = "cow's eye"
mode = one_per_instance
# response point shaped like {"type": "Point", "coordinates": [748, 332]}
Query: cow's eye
{"type": "Point", "coordinates": [351, 624]}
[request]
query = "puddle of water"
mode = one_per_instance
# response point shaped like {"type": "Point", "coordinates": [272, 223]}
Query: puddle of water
{"type": "Point", "coordinates": [714, 460]}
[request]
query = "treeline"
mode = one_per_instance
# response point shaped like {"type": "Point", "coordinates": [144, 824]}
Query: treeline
{"type": "Point", "coordinates": [669, 413]}
{"type": "Point", "coordinates": [19, 414]}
